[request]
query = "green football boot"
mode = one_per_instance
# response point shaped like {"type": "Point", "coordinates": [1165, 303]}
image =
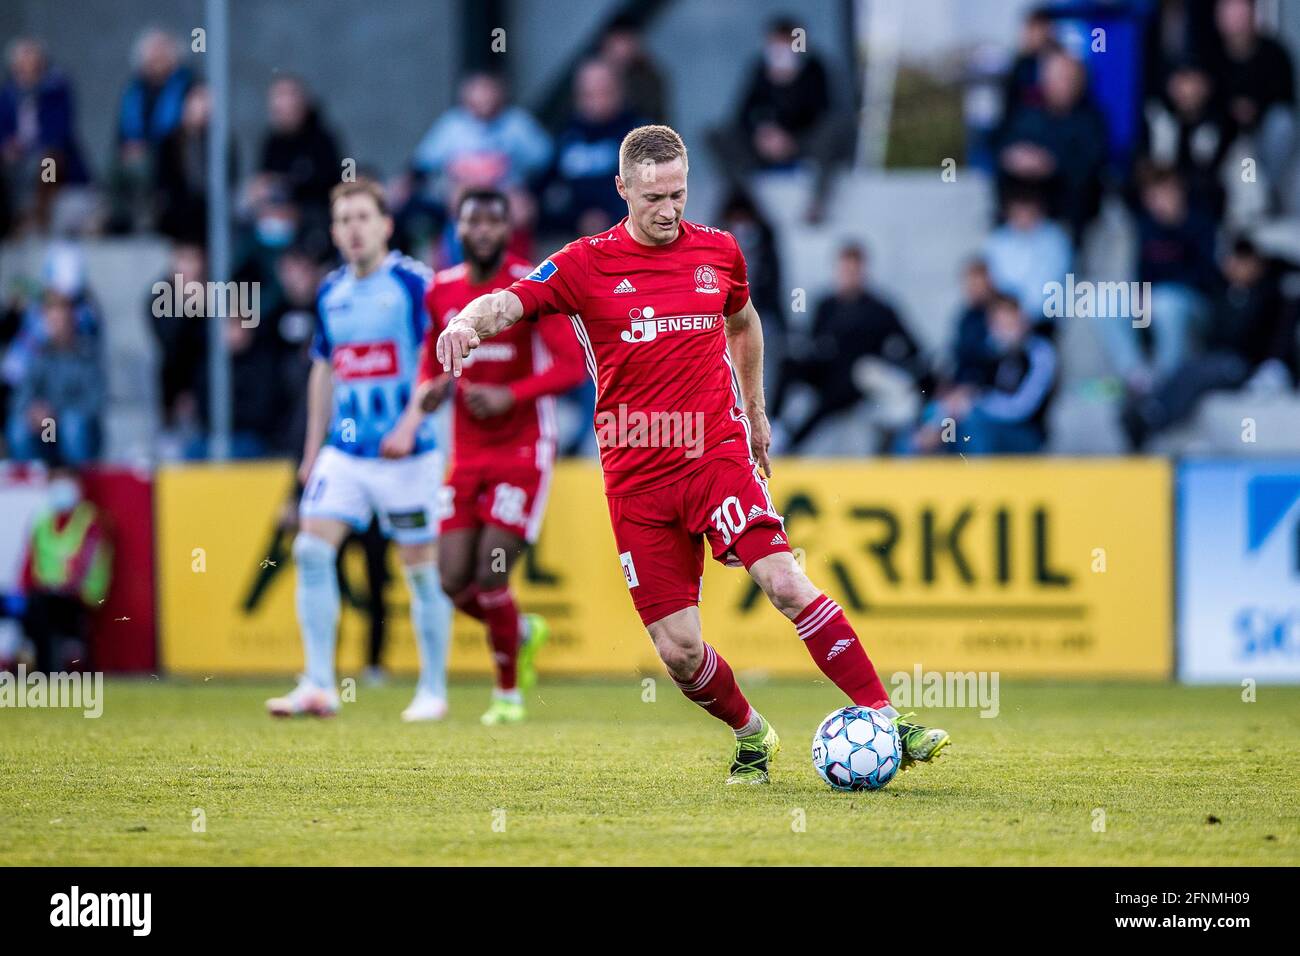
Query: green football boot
{"type": "Point", "coordinates": [920, 744]}
{"type": "Point", "coordinates": [536, 631]}
{"type": "Point", "coordinates": [502, 711]}
{"type": "Point", "coordinates": [754, 755]}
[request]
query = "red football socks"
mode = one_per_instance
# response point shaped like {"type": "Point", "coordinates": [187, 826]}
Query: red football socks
{"type": "Point", "coordinates": [835, 648]}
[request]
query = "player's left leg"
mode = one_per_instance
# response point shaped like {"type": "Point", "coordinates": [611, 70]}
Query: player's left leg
{"type": "Point", "coordinates": [405, 494]}
{"type": "Point", "coordinates": [431, 621]}
{"type": "Point", "coordinates": [833, 644]}
{"type": "Point", "coordinates": [498, 552]}
{"type": "Point", "coordinates": [705, 678]}
{"type": "Point", "coordinates": [510, 510]}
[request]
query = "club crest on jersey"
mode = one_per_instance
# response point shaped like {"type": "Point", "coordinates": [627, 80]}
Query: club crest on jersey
{"type": "Point", "coordinates": [353, 360]}
{"type": "Point", "coordinates": [542, 272]}
{"type": "Point", "coordinates": [706, 280]}
{"type": "Point", "coordinates": [645, 327]}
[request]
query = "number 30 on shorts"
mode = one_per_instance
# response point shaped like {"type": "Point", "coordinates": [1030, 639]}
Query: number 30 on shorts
{"type": "Point", "coordinates": [729, 519]}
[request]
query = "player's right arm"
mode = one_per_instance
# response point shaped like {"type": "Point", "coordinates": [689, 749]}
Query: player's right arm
{"type": "Point", "coordinates": [557, 285]}
{"type": "Point", "coordinates": [483, 318]}
{"type": "Point", "coordinates": [320, 399]}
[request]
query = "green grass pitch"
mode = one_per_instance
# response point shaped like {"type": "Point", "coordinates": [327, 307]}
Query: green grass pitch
{"type": "Point", "coordinates": [600, 777]}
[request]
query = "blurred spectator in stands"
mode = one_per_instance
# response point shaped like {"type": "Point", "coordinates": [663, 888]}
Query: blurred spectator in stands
{"type": "Point", "coordinates": [66, 573]}
{"type": "Point", "coordinates": [1178, 32]}
{"type": "Point", "coordinates": [37, 123]}
{"type": "Point", "coordinates": [275, 226]}
{"type": "Point", "coordinates": [1060, 146]}
{"type": "Point", "coordinates": [182, 345]}
{"type": "Point", "coordinates": [1258, 83]}
{"type": "Point", "coordinates": [644, 86]}
{"type": "Point", "coordinates": [1251, 342]}
{"type": "Point", "coordinates": [1007, 415]}
{"type": "Point", "coordinates": [24, 332]}
{"type": "Point", "coordinates": [151, 107]}
{"type": "Point", "coordinates": [851, 326]}
{"type": "Point", "coordinates": [293, 321]}
{"type": "Point", "coordinates": [482, 142]}
{"type": "Point", "coordinates": [741, 217]}
{"type": "Point", "coordinates": [1027, 252]}
{"type": "Point", "coordinates": [300, 154]}
{"type": "Point", "coordinates": [1187, 131]}
{"type": "Point", "coordinates": [580, 197]}
{"type": "Point", "coordinates": [58, 401]}
{"type": "Point", "coordinates": [257, 394]}
{"type": "Point", "coordinates": [1020, 89]}
{"type": "Point", "coordinates": [785, 118]}
{"type": "Point", "coordinates": [1175, 254]}
{"type": "Point", "coordinates": [181, 173]}
{"type": "Point", "coordinates": [973, 357]}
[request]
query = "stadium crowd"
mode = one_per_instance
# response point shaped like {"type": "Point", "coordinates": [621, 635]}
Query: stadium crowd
{"type": "Point", "coordinates": [1211, 81]}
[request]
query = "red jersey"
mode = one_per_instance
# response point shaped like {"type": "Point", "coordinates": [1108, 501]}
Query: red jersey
{"type": "Point", "coordinates": [650, 319]}
{"type": "Point", "coordinates": [536, 360]}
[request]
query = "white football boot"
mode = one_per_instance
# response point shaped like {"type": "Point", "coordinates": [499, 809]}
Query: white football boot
{"type": "Point", "coordinates": [425, 706]}
{"type": "Point", "coordinates": [306, 698]}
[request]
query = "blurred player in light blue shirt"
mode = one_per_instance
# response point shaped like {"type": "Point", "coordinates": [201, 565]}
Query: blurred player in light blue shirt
{"type": "Point", "coordinates": [369, 324]}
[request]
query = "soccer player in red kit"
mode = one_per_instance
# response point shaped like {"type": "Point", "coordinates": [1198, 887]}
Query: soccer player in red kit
{"type": "Point", "coordinates": [661, 308]}
{"type": "Point", "coordinates": [503, 443]}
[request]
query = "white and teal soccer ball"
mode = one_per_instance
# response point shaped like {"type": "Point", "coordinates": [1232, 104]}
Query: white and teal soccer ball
{"type": "Point", "coordinates": [856, 748]}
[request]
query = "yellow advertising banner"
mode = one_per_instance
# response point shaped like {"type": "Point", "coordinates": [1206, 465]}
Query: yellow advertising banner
{"type": "Point", "coordinates": [1029, 567]}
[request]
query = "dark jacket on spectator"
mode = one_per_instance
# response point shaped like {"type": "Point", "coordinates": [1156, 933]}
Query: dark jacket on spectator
{"type": "Point", "coordinates": [796, 106]}
{"type": "Point", "coordinates": [1024, 380]}
{"type": "Point", "coordinates": [1266, 76]}
{"type": "Point", "coordinates": [1077, 142]}
{"type": "Point", "coordinates": [974, 360]}
{"type": "Point", "coordinates": [56, 134]}
{"type": "Point", "coordinates": [308, 160]}
{"type": "Point", "coordinates": [1182, 253]}
{"type": "Point", "coordinates": [1254, 324]}
{"type": "Point", "coordinates": [582, 175]}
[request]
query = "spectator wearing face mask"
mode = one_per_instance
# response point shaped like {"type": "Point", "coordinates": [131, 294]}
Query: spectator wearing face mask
{"type": "Point", "coordinates": [786, 119]}
{"type": "Point", "coordinates": [66, 571]}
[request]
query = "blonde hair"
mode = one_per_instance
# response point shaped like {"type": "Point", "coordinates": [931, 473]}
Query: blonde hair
{"type": "Point", "coordinates": [363, 186]}
{"type": "Point", "coordinates": [649, 144]}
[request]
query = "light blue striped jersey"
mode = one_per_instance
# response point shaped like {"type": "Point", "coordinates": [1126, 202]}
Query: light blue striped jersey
{"type": "Point", "coordinates": [369, 330]}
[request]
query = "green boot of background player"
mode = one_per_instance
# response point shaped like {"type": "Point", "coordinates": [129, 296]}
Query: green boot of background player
{"type": "Point", "coordinates": [536, 631]}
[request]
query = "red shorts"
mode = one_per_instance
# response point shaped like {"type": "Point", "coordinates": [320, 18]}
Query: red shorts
{"type": "Point", "coordinates": [660, 533]}
{"type": "Point", "coordinates": [508, 493]}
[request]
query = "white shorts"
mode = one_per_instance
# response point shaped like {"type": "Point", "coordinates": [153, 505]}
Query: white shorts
{"type": "Point", "coordinates": [403, 492]}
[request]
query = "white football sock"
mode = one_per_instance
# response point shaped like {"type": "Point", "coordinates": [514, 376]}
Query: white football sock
{"type": "Point", "coordinates": [318, 606]}
{"type": "Point", "coordinates": [431, 612]}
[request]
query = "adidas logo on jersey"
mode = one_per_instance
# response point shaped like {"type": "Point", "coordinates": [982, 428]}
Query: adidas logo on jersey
{"type": "Point", "coordinates": [839, 646]}
{"type": "Point", "coordinates": [777, 539]}
{"type": "Point", "coordinates": [755, 511]}
{"type": "Point", "coordinates": [624, 286]}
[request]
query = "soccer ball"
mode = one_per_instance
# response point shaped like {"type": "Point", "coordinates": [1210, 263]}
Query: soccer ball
{"type": "Point", "coordinates": [856, 748]}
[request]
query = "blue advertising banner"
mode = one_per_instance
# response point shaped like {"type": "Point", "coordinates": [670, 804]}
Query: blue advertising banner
{"type": "Point", "coordinates": [1238, 574]}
